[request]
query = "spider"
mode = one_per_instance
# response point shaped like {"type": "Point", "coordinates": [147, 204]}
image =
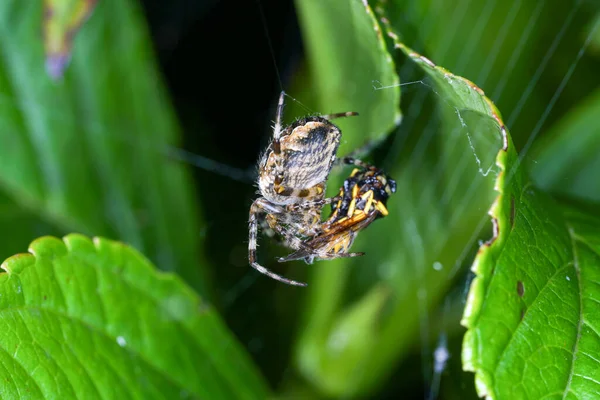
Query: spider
{"type": "Point", "coordinates": [292, 175]}
{"type": "Point", "coordinates": [362, 199]}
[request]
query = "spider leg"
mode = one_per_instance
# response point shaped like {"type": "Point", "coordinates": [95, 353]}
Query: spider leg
{"type": "Point", "coordinates": [296, 238]}
{"type": "Point", "coordinates": [364, 149]}
{"type": "Point", "coordinates": [314, 203]}
{"type": "Point", "coordinates": [339, 115]}
{"type": "Point", "coordinates": [347, 255]}
{"type": "Point", "coordinates": [349, 160]}
{"type": "Point", "coordinates": [309, 257]}
{"type": "Point", "coordinates": [275, 144]}
{"type": "Point", "coordinates": [290, 238]}
{"type": "Point", "coordinates": [257, 208]}
{"type": "Point", "coordinates": [278, 118]}
{"type": "Point", "coordinates": [298, 255]}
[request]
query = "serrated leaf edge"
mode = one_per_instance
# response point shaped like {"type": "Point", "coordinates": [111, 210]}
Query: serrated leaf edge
{"type": "Point", "coordinates": [483, 380]}
{"type": "Point", "coordinates": [389, 58]}
{"type": "Point", "coordinates": [67, 244]}
{"type": "Point", "coordinates": [16, 264]}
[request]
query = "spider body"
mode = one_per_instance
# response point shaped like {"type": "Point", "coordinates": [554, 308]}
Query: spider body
{"type": "Point", "coordinates": [295, 167]}
{"type": "Point", "coordinates": [292, 177]}
{"type": "Point", "coordinates": [361, 200]}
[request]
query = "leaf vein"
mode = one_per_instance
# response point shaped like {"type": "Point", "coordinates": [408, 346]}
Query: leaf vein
{"type": "Point", "coordinates": [579, 325]}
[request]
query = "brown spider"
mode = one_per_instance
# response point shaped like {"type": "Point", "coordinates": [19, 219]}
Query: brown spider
{"type": "Point", "coordinates": [292, 176]}
{"type": "Point", "coordinates": [362, 199]}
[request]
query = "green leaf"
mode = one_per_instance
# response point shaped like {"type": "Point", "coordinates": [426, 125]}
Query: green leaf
{"type": "Point", "coordinates": [88, 318]}
{"type": "Point", "coordinates": [84, 152]}
{"type": "Point", "coordinates": [348, 58]}
{"type": "Point", "coordinates": [445, 174]}
{"type": "Point", "coordinates": [567, 160]}
{"type": "Point", "coordinates": [532, 311]}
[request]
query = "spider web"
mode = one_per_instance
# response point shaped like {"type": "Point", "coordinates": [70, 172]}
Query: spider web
{"type": "Point", "coordinates": [251, 312]}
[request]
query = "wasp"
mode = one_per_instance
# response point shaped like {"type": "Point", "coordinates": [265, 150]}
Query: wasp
{"type": "Point", "coordinates": [362, 199]}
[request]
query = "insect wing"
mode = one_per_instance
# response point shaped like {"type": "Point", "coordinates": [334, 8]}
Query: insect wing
{"type": "Point", "coordinates": [335, 242]}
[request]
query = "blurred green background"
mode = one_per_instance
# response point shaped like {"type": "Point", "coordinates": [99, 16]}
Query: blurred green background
{"type": "Point", "coordinates": [112, 150]}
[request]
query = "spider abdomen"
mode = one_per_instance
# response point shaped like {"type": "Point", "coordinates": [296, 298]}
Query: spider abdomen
{"type": "Point", "coordinates": [307, 150]}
